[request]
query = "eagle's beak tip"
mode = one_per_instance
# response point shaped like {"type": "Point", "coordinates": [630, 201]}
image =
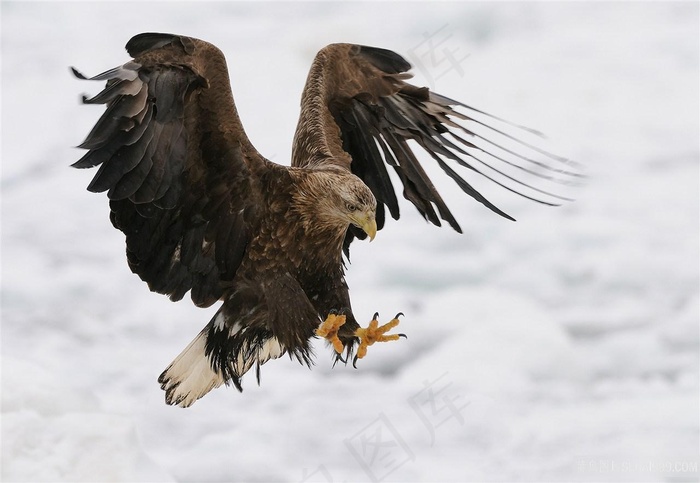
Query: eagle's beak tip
{"type": "Point", "coordinates": [367, 223]}
{"type": "Point", "coordinates": [371, 229]}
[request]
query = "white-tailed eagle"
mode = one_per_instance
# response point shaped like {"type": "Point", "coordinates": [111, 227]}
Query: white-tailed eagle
{"type": "Point", "coordinates": [204, 212]}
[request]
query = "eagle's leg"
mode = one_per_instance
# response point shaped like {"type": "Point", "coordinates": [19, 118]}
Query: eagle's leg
{"type": "Point", "coordinates": [373, 333]}
{"type": "Point", "coordinates": [376, 333]}
{"type": "Point", "coordinates": [329, 330]}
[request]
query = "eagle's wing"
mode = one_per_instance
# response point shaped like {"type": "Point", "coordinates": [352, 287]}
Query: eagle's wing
{"type": "Point", "coordinates": [176, 165]}
{"type": "Point", "coordinates": [358, 112]}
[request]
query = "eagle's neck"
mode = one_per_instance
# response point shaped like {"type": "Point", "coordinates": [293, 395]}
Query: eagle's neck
{"type": "Point", "coordinates": [324, 238]}
{"type": "Point", "coordinates": [319, 228]}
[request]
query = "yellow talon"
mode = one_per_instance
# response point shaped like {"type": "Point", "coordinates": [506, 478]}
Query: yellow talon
{"type": "Point", "coordinates": [374, 333]}
{"type": "Point", "coordinates": [329, 330]}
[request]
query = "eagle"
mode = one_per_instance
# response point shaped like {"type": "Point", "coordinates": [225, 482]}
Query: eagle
{"type": "Point", "coordinates": [204, 212]}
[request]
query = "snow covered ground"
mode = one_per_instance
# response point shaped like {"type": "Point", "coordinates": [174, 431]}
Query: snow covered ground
{"type": "Point", "coordinates": [561, 347]}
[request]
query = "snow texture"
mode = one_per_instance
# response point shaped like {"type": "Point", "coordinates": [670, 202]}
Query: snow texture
{"type": "Point", "coordinates": [560, 347]}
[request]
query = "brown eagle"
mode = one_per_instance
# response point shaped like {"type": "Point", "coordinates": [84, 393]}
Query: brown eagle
{"type": "Point", "coordinates": [204, 212]}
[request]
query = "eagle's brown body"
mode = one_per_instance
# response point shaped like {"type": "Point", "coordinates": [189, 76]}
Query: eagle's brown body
{"type": "Point", "coordinates": [204, 212]}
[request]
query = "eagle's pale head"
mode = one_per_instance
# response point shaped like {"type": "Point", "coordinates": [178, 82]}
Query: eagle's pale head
{"type": "Point", "coordinates": [337, 199]}
{"type": "Point", "coordinates": [357, 205]}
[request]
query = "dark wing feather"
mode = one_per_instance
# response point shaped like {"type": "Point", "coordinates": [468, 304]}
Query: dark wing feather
{"type": "Point", "coordinates": [176, 165]}
{"type": "Point", "coordinates": [359, 113]}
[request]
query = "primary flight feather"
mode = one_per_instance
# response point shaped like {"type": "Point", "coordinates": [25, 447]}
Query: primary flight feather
{"type": "Point", "coordinates": [204, 212]}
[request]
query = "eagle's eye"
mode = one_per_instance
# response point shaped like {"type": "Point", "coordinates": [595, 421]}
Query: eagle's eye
{"type": "Point", "coordinates": [351, 207]}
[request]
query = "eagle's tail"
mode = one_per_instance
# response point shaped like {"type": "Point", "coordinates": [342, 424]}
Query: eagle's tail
{"type": "Point", "coordinates": [190, 376]}
{"type": "Point", "coordinates": [219, 354]}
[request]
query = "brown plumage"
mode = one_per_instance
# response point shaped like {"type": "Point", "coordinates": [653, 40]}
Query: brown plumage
{"type": "Point", "coordinates": [204, 212]}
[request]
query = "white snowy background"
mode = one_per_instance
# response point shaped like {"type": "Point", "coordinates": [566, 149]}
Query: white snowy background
{"type": "Point", "coordinates": [560, 347]}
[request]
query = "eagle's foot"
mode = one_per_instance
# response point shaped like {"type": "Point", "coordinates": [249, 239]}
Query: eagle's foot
{"type": "Point", "coordinates": [329, 330]}
{"type": "Point", "coordinates": [376, 333]}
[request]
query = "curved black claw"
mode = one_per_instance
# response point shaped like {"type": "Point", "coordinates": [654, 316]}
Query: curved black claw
{"type": "Point", "coordinates": [400, 314]}
{"type": "Point", "coordinates": [376, 316]}
{"type": "Point", "coordinates": [339, 358]}
{"type": "Point", "coordinates": [403, 335]}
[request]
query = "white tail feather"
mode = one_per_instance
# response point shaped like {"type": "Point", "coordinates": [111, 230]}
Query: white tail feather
{"type": "Point", "coordinates": [190, 376]}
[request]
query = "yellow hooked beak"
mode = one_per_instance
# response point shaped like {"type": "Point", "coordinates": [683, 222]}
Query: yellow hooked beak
{"type": "Point", "coordinates": [367, 222]}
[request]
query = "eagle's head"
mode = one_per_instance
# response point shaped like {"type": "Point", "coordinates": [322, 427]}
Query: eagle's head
{"type": "Point", "coordinates": [337, 199]}
{"type": "Point", "coordinates": [357, 205]}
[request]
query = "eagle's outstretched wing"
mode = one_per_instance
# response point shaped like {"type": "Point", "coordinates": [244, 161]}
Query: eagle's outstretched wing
{"type": "Point", "coordinates": [358, 112]}
{"type": "Point", "coordinates": [176, 165]}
